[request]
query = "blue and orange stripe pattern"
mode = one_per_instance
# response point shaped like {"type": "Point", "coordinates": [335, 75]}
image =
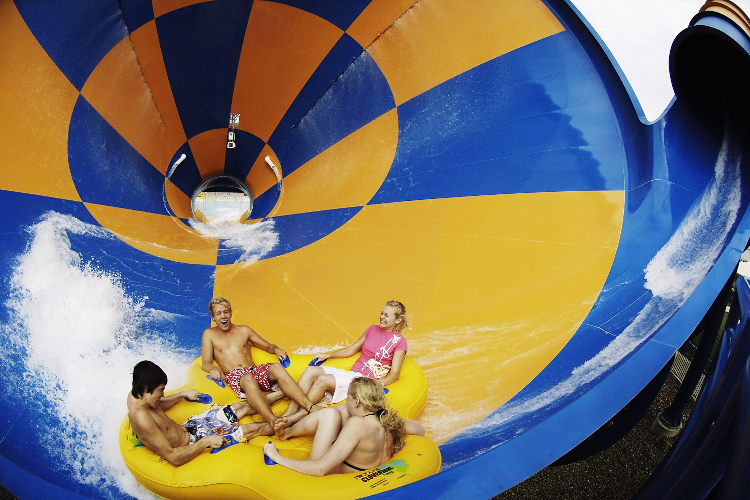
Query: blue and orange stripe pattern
{"type": "Point", "coordinates": [276, 63]}
{"type": "Point", "coordinates": [429, 152]}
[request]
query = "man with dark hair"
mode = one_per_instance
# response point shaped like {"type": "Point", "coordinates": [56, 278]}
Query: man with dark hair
{"type": "Point", "coordinates": [178, 444]}
{"type": "Point", "coordinates": [147, 376]}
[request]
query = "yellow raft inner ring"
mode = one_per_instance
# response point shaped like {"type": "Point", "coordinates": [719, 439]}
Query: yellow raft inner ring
{"type": "Point", "coordinates": [239, 471]}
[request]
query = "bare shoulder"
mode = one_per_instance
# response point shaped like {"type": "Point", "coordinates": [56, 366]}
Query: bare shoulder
{"type": "Point", "coordinates": [244, 328]}
{"type": "Point", "coordinates": [208, 333]}
{"type": "Point", "coordinates": [140, 419]}
{"type": "Point", "coordinates": [244, 331]}
{"type": "Point", "coordinates": [359, 425]}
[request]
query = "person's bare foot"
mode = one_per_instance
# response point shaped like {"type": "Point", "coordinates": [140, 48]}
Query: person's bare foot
{"type": "Point", "coordinates": [290, 421]}
{"type": "Point", "coordinates": [280, 426]}
{"type": "Point", "coordinates": [257, 429]}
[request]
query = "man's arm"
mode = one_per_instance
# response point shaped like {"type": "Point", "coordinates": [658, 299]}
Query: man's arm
{"type": "Point", "coordinates": [153, 438]}
{"type": "Point", "coordinates": [262, 343]}
{"type": "Point", "coordinates": [395, 371]}
{"type": "Point", "coordinates": [207, 355]}
{"type": "Point", "coordinates": [168, 402]}
{"type": "Point", "coordinates": [342, 448]}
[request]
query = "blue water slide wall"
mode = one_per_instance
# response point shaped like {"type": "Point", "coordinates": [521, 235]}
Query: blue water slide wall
{"type": "Point", "coordinates": [686, 193]}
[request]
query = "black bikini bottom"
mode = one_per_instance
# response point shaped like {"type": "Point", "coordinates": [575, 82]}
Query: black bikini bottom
{"type": "Point", "coordinates": [354, 466]}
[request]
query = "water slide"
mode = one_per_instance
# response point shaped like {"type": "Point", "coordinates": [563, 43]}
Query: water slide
{"type": "Point", "coordinates": [486, 165]}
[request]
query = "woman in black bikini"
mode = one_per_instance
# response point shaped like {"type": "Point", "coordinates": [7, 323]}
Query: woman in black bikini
{"type": "Point", "coordinates": [358, 435]}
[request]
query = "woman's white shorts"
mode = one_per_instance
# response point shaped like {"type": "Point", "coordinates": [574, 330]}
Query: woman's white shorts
{"type": "Point", "coordinates": [343, 379]}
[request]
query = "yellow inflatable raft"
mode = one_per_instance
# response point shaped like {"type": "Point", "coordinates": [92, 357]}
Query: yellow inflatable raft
{"type": "Point", "coordinates": [239, 471]}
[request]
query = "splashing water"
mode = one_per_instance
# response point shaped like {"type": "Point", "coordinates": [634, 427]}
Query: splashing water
{"type": "Point", "coordinates": [318, 348]}
{"type": "Point", "coordinates": [75, 336]}
{"type": "Point", "coordinates": [450, 350]}
{"type": "Point", "coordinates": [254, 240]}
{"type": "Point", "coordinates": [671, 276]}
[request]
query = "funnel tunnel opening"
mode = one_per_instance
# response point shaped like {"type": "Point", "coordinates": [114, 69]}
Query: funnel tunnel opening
{"type": "Point", "coordinates": [222, 198]}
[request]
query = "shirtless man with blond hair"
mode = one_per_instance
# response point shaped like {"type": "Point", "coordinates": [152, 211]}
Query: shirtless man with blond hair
{"type": "Point", "coordinates": [229, 345]}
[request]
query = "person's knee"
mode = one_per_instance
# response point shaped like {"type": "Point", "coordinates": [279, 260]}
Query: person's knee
{"type": "Point", "coordinates": [248, 383]}
{"type": "Point", "coordinates": [276, 371]}
{"type": "Point", "coordinates": [325, 382]}
{"type": "Point", "coordinates": [311, 373]}
{"type": "Point", "coordinates": [330, 415]}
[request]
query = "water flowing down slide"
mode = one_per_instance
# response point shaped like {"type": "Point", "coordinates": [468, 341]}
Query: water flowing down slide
{"type": "Point", "coordinates": [484, 163]}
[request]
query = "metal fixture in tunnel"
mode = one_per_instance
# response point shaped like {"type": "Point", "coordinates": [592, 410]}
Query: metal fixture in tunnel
{"type": "Point", "coordinates": [273, 166]}
{"type": "Point", "coordinates": [176, 164]}
{"type": "Point", "coordinates": [234, 122]}
{"type": "Point", "coordinates": [222, 198]}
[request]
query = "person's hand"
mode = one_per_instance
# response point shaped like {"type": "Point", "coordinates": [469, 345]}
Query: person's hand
{"type": "Point", "coordinates": [271, 452]}
{"type": "Point", "coordinates": [191, 394]}
{"type": "Point", "coordinates": [322, 357]}
{"type": "Point", "coordinates": [280, 353]}
{"type": "Point", "coordinates": [215, 373]}
{"type": "Point", "coordinates": [215, 441]}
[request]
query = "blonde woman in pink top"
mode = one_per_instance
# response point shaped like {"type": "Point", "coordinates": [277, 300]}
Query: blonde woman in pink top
{"type": "Point", "coordinates": [382, 349]}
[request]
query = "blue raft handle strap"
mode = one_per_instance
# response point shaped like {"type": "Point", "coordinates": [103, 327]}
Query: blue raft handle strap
{"type": "Point", "coordinates": [202, 398]}
{"type": "Point", "coordinates": [230, 441]}
{"type": "Point", "coordinates": [267, 460]}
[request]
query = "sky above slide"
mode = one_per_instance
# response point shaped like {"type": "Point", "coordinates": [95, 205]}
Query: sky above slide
{"type": "Point", "coordinates": [554, 241]}
{"type": "Point", "coordinates": [639, 35]}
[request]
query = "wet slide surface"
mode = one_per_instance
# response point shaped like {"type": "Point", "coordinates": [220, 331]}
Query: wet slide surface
{"type": "Point", "coordinates": [484, 166]}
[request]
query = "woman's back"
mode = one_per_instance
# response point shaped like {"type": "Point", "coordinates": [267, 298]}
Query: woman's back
{"type": "Point", "coordinates": [374, 447]}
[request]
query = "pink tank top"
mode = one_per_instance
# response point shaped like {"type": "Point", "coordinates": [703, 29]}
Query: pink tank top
{"type": "Point", "coordinates": [377, 352]}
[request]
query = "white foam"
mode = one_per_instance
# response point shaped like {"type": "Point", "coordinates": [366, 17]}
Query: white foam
{"type": "Point", "coordinates": [254, 240]}
{"type": "Point", "coordinates": [79, 335]}
{"type": "Point", "coordinates": [451, 351]}
{"type": "Point", "coordinates": [673, 273]}
{"type": "Point", "coordinates": [318, 349]}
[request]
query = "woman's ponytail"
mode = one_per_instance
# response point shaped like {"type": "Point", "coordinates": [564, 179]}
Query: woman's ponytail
{"type": "Point", "coordinates": [394, 425]}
